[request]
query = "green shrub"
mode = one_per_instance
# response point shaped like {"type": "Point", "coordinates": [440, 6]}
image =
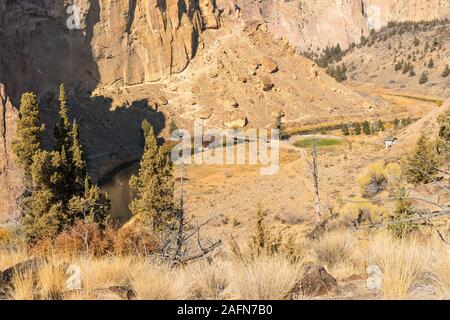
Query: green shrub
{"type": "Point", "coordinates": [423, 78]}
{"type": "Point", "coordinates": [345, 130]}
{"type": "Point", "coordinates": [404, 210]}
{"type": "Point", "coordinates": [446, 72]}
{"type": "Point", "coordinates": [420, 166]}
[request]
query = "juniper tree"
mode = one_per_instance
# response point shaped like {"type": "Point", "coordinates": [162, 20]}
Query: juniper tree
{"type": "Point", "coordinates": [423, 78]}
{"type": "Point", "coordinates": [420, 166]}
{"type": "Point", "coordinates": [446, 72]}
{"type": "Point", "coordinates": [444, 135]}
{"type": "Point", "coordinates": [154, 204]}
{"type": "Point", "coordinates": [91, 205]}
{"type": "Point", "coordinates": [79, 164]}
{"type": "Point", "coordinates": [366, 128]}
{"type": "Point", "coordinates": [380, 125]}
{"type": "Point", "coordinates": [29, 132]}
{"type": "Point", "coordinates": [62, 129]}
{"type": "Point", "coordinates": [63, 145]}
{"type": "Point", "coordinates": [61, 191]}
{"type": "Point", "coordinates": [43, 212]}
{"type": "Point", "coordinates": [396, 122]}
{"type": "Point", "coordinates": [431, 63]}
{"type": "Point", "coordinates": [404, 210]}
{"type": "Point", "coordinates": [344, 129]}
{"type": "Point", "coordinates": [357, 128]}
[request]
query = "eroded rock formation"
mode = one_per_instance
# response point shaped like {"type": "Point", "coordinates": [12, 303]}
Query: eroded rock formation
{"type": "Point", "coordinates": [118, 42]}
{"type": "Point", "coordinates": [318, 23]}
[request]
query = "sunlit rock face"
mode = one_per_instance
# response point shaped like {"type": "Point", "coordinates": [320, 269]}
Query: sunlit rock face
{"type": "Point", "coordinates": [320, 23]}
{"type": "Point", "coordinates": [113, 43]}
{"type": "Point", "coordinates": [88, 44]}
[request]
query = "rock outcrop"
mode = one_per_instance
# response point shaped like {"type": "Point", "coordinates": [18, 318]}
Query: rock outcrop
{"type": "Point", "coordinates": [321, 23]}
{"type": "Point", "coordinates": [317, 281]}
{"type": "Point", "coordinates": [90, 44]}
{"type": "Point", "coordinates": [115, 43]}
{"type": "Point", "coordinates": [9, 173]}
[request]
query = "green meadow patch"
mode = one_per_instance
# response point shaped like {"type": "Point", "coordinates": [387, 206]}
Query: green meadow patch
{"type": "Point", "coordinates": [321, 142]}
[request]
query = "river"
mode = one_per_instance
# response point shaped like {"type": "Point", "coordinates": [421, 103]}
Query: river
{"type": "Point", "coordinates": [118, 188]}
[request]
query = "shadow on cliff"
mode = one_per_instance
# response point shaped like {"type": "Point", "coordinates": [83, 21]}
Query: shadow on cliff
{"type": "Point", "coordinates": [111, 136]}
{"type": "Point", "coordinates": [42, 51]}
{"type": "Point", "coordinates": [41, 54]}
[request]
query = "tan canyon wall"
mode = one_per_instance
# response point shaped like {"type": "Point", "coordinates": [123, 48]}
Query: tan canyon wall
{"type": "Point", "coordinates": [119, 42]}
{"type": "Point", "coordinates": [320, 23]}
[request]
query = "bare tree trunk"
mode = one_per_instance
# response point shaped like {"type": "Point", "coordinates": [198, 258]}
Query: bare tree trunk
{"type": "Point", "coordinates": [315, 175]}
{"type": "Point", "coordinates": [180, 217]}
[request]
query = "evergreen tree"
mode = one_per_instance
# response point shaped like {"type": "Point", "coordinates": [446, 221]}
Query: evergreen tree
{"type": "Point", "coordinates": [79, 164]}
{"type": "Point", "coordinates": [62, 129]}
{"type": "Point", "coordinates": [380, 125]}
{"type": "Point", "coordinates": [404, 210]}
{"type": "Point", "coordinates": [29, 132]}
{"type": "Point", "coordinates": [65, 170]}
{"type": "Point", "coordinates": [60, 189]}
{"type": "Point", "coordinates": [420, 166]}
{"type": "Point", "coordinates": [446, 72]}
{"type": "Point", "coordinates": [431, 63]}
{"type": "Point", "coordinates": [366, 128]}
{"type": "Point", "coordinates": [444, 135]}
{"type": "Point", "coordinates": [91, 206]}
{"type": "Point", "coordinates": [43, 212]}
{"type": "Point", "coordinates": [344, 129]}
{"type": "Point", "coordinates": [153, 185]}
{"type": "Point", "coordinates": [357, 128]}
{"type": "Point", "coordinates": [396, 123]}
{"type": "Point", "coordinates": [423, 78]}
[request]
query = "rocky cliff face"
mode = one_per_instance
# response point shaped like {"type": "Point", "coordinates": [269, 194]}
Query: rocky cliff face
{"type": "Point", "coordinates": [318, 23]}
{"type": "Point", "coordinates": [97, 43]}
{"type": "Point", "coordinates": [117, 42]}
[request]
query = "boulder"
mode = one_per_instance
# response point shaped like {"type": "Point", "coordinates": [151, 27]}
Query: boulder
{"type": "Point", "coordinates": [237, 121]}
{"type": "Point", "coordinates": [267, 84]}
{"type": "Point", "coordinates": [122, 292]}
{"type": "Point", "coordinates": [161, 101]}
{"type": "Point", "coordinates": [269, 65]}
{"type": "Point", "coordinates": [7, 276]}
{"type": "Point", "coordinates": [205, 114]}
{"type": "Point", "coordinates": [317, 281]}
{"type": "Point", "coordinates": [228, 103]}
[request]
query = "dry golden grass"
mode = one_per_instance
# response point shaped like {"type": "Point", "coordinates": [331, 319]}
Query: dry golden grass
{"type": "Point", "coordinates": [374, 172]}
{"type": "Point", "coordinates": [264, 278]}
{"type": "Point", "coordinates": [105, 272]}
{"type": "Point", "coordinates": [442, 269]}
{"type": "Point", "coordinates": [23, 287]}
{"type": "Point", "coordinates": [404, 263]}
{"type": "Point", "coordinates": [411, 267]}
{"type": "Point", "coordinates": [351, 210]}
{"type": "Point", "coordinates": [9, 258]}
{"type": "Point", "coordinates": [334, 248]}
{"type": "Point", "coordinates": [52, 281]}
{"type": "Point", "coordinates": [158, 282]}
{"type": "Point", "coordinates": [206, 280]}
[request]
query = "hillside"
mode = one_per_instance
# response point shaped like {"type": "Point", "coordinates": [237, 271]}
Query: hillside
{"type": "Point", "coordinates": [396, 57]}
{"type": "Point", "coordinates": [354, 199]}
{"type": "Point", "coordinates": [311, 25]}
